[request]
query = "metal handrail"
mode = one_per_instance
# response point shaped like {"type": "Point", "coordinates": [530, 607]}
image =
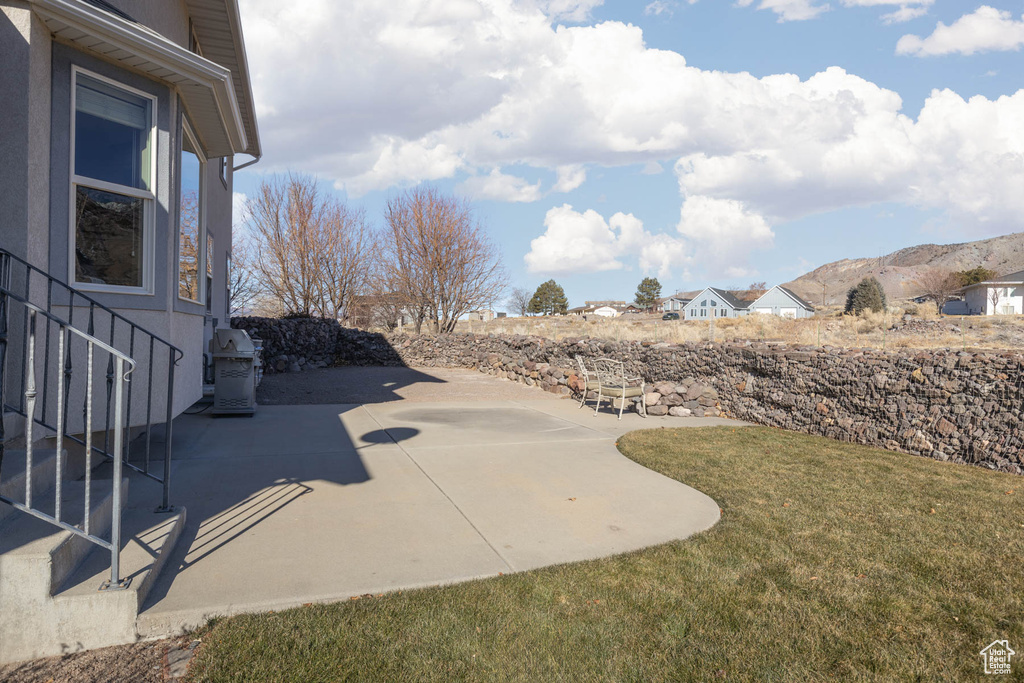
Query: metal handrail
{"type": "Point", "coordinates": [119, 386]}
{"type": "Point", "coordinates": [120, 377]}
{"type": "Point", "coordinates": [4, 254]}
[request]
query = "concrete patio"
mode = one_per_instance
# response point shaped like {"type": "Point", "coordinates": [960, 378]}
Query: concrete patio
{"type": "Point", "coordinates": [402, 487]}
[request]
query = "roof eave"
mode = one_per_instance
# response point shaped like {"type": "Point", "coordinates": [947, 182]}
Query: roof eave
{"type": "Point", "coordinates": [203, 84]}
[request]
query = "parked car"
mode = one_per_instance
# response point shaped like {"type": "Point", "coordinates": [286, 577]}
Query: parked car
{"type": "Point", "coordinates": [670, 316]}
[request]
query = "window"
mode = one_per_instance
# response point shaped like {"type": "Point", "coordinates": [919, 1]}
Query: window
{"type": "Point", "coordinates": [704, 303]}
{"type": "Point", "coordinates": [112, 171]}
{"type": "Point", "coordinates": [703, 312]}
{"type": "Point", "coordinates": [713, 303]}
{"type": "Point", "coordinates": [191, 223]}
{"type": "Point", "coordinates": [723, 312]}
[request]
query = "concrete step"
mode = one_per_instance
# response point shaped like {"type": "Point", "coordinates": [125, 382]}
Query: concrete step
{"type": "Point", "coordinates": [12, 475]}
{"type": "Point", "coordinates": [36, 557]}
{"type": "Point", "coordinates": [92, 618]}
{"type": "Point", "coordinates": [72, 614]}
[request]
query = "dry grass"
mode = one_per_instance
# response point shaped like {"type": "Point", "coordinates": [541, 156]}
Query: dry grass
{"type": "Point", "coordinates": [831, 328]}
{"type": "Point", "coordinates": [831, 562]}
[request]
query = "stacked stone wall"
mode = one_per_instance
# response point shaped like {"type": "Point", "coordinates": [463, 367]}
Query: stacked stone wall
{"type": "Point", "coordinates": [960, 406]}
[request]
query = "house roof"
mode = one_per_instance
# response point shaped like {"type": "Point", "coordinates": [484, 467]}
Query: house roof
{"type": "Point", "coordinates": [1011, 278]}
{"type": "Point", "coordinates": [729, 298]}
{"type": "Point", "coordinates": [215, 88]}
{"type": "Point", "coordinates": [788, 292]}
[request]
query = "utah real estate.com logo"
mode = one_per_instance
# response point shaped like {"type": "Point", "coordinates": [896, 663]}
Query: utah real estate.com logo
{"type": "Point", "coordinates": [997, 657]}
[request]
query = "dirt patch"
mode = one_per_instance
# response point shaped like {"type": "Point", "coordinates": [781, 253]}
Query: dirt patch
{"type": "Point", "coordinates": [158, 661]}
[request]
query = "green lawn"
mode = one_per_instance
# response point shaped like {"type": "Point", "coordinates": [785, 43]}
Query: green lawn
{"type": "Point", "coordinates": [831, 561]}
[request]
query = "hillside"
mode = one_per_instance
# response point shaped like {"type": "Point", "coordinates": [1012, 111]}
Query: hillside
{"type": "Point", "coordinates": [899, 270]}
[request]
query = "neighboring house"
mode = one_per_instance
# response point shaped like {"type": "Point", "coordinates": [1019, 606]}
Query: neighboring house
{"type": "Point", "coordinates": [481, 315]}
{"type": "Point", "coordinates": [674, 304]}
{"type": "Point", "coordinates": [782, 302]}
{"type": "Point", "coordinates": [368, 311]}
{"type": "Point", "coordinates": [999, 296]}
{"type": "Point", "coordinates": [716, 303]}
{"type": "Point", "coordinates": [605, 309]}
{"type": "Point", "coordinates": [123, 121]}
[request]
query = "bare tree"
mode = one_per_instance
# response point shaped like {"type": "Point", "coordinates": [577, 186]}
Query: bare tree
{"type": "Point", "coordinates": [757, 289]}
{"type": "Point", "coordinates": [243, 283]}
{"type": "Point", "coordinates": [519, 301]}
{"type": "Point", "coordinates": [995, 295]}
{"type": "Point", "coordinates": [436, 259]}
{"type": "Point", "coordinates": [938, 284]}
{"type": "Point", "coordinates": [310, 251]}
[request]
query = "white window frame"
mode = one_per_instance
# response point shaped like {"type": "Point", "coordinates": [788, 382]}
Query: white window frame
{"type": "Point", "coordinates": [148, 196]}
{"type": "Point", "coordinates": [187, 130]}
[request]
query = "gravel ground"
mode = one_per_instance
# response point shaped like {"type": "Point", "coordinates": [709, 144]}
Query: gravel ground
{"type": "Point", "coordinates": [160, 661]}
{"type": "Point", "coordinates": [381, 385]}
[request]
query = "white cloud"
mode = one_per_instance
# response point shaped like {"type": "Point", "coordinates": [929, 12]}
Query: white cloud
{"type": "Point", "coordinates": [238, 200]}
{"type": "Point", "coordinates": [904, 14]}
{"type": "Point", "coordinates": [500, 187]}
{"type": "Point", "coordinates": [987, 29]}
{"type": "Point", "coordinates": [659, 7]}
{"type": "Point", "coordinates": [722, 232]}
{"type": "Point", "coordinates": [411, 90]}
{"type": "Point", "coordinates": [802, 10]}
{"type": "Point", "coordinates": [571, 10]}
{"type": "Point", "coordinates": [725, 227]}
{"type": "Point", "coordinates": [569, 178]}
{"type": "Point", "coordinates": [789, 10]}
{"type": "Point", "coordinates": [576, 242]}
{"type": "Point", "coordinates": [725, 232]}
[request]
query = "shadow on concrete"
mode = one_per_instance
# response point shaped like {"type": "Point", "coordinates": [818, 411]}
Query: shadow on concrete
{"type": "Point", "coordinates": [234, 476]}
{"type": "Point", "coordinates": [348, 384]}
{"type": "Point", "coordinates": [393, 435]}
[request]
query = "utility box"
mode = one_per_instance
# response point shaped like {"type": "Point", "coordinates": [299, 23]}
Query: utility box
{"type": "Point", "coordinates": [234, 372]}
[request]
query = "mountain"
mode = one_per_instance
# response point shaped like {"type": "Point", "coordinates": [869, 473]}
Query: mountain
{"type": "Point", "coordinates": [899, 270]}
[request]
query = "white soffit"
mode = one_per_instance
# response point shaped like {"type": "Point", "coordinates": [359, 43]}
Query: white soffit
{"type": "Point", "coordinates": [218, 27]}
{"type": "Point", "coordinates": [206, 87]}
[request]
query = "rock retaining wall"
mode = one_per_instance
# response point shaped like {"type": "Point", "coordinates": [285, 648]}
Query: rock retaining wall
{"type": "Point", "coordinates": [958, 406]}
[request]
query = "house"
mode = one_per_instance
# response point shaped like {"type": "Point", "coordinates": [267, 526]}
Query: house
{"type": "Point", "coordinates": [481, 315]}
{"type": "Point", "coordinates": [716, 303]}
{"type": "Point", "coordinates": [605, 309]}
{"type": "Point", "coordinates": [1000, 296]}
{"type": "Point", "coordinates": [782, 302]}
{"type": "Point", "coordinates": [124, 122]}
{"type": "Point", "coordinates": [674, 304]}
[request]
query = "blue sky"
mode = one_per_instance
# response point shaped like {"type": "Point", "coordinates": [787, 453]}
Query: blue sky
{"type": "Point", "coordinates": [703, 142]}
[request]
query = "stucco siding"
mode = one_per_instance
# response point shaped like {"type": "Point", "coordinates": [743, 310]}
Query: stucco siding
{"type": "Point", "coordinates": [24, 145]}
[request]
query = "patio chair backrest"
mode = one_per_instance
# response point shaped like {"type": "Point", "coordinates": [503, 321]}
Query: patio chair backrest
{"type": "Point", "coordinates": [611, 372]}
{"type": "Point", "coordinates": [583, 368]}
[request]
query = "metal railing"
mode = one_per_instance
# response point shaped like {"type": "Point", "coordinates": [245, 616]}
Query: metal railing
{"type": "Point", "coordinates": [62, 346]}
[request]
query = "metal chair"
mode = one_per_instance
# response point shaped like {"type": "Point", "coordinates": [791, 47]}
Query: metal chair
{"type": "Point", "coordinates": [589, 380]}
{"type": "Point", "coordinates": [613, 383]}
